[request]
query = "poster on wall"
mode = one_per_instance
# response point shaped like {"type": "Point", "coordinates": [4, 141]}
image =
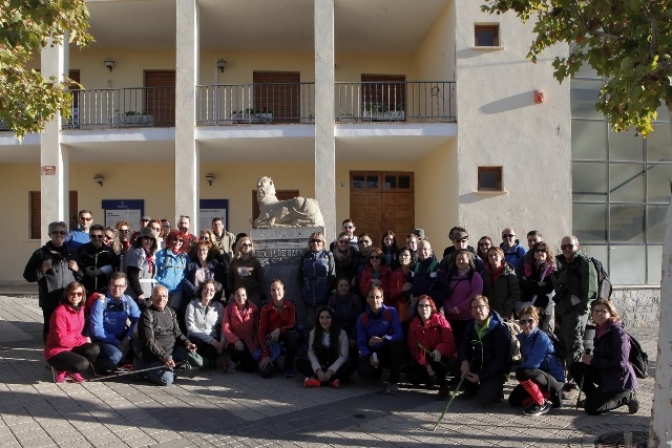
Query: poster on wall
{"type": "Point", "coordinates": [130, 210]}
{"type": "Point", "coordinates": [208, 209]}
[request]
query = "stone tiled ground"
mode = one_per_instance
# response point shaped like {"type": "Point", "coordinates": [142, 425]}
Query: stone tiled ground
{"type": "Point", "coordinates": [242, 410]}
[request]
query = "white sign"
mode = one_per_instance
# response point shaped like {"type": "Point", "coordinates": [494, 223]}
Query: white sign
{"type": "Point", "coordinates": [206, 215]}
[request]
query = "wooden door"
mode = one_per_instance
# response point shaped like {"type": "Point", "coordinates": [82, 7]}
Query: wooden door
{"type": "Point", "coordinates": [277, 93]}
{"type": "Point", "coordinates": [160, 97]}
{"type": "Point", "coordinates": [382, 201]}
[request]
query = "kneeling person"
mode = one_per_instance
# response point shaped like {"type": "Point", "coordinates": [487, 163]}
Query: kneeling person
{"type": "Point", "coordinates": [162, 342]}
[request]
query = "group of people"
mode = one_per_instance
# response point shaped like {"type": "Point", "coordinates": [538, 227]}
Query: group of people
{"type": "Point", "coordinates": [175, 303]}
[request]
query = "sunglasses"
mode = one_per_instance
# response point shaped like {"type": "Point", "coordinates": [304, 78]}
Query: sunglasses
{"type": "Point", "coordinates": [526, 321]}
{"type": "Point", "coordinates": [246, 245]}
{"type": "Point", "coordinates": [374, 257]}
{"type": "Point", "coordinates": [83, 218]}
{"type": "Point", "coordinates": [75, 294]}
{"type": "Point", "coordinates": [484, 244]}
{"type": "Point", "coordinates": [58, 232]}
{"type": "Point", "coordinates": [93, 237]}
{"type": "Point", "coordinates": [543, 251]}
{"type": "Point", "coordinates": [567, 246]}
{"type": "Point", "coordinates": [508, 235]}
{"type": "Point", "coordinates": [124, 231]}
{"type": "Point", "coordinates": [315, 240]}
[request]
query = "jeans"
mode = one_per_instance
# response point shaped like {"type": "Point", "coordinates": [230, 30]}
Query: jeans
{"type": "Point", "coordinates": [109, 358]}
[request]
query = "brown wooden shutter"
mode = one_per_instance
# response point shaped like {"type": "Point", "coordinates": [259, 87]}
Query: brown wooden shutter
{"type": "Point", "coordinates": [278, 92]}
{"type": "Point", "coordinates": [35, 207]}
{"type": "Point", "coordinates": [160, 97]}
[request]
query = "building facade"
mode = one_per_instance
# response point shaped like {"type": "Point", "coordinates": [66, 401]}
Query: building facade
{"type": "Point", "coordinates": [398, 114]}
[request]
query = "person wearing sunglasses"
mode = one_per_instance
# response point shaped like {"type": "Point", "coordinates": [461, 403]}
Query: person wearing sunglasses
{"type": "Point", "coordinates": [513, 250]}
{"type": "Point", "coordinates": [347, 226]}
{"type": "Point", "coordinates": [124, 229]}
{"type": "Point", "coordinates": [97, 259]}
{"type": "Point", "coordinates": [575, 286]}
{"type": "Point", "coordinates": [245, 271]}
{"type": "Point", "coordinates": [53, 267]}
{"type": "Point", "coordinates": [484, 354]}
{"type": "Point", "coordinates": [141, 267]}
{"type": "Point", "coordinates": [484, 244]}
{"type": "Point", "coordinates": [377, 273]}
{"type": "Point", "coordinates": [536, 283]}
{"type": "Point", "coordinates": [346, 257]}
{"type": "Point", "coordinates": [68, 352]}
{"type": "Point", "coordinates": [541, 374]}
{"type": "Point", "coordinates": [80, 235]}
{"type": "Point", "coordinates": [316, 276]}
{"type": "Point", "coordinates": [171, 264]}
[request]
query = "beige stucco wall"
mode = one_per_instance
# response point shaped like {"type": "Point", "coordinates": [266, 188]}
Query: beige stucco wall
{"type": "Point", "coordinates": [499, 125]}
{"type": "Point", "coordinates": [435, 58]}
{"type": "Point", "coordinates": [349, 66]}
{"type": "Point", "coordinates": [241, 64]}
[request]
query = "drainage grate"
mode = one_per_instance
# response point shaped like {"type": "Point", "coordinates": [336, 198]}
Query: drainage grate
{"type": "Point", "coordinates": [633, 439]}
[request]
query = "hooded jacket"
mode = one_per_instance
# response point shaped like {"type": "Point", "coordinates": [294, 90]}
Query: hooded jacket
{"type": "Point", "coordinates": [489, 355]}
{"type": "Point", "coordinates": [538, 353]}
{"type": "Point", "coordinates": [65, 330]}
{"type": "Point", "coordinates": [434, 334]}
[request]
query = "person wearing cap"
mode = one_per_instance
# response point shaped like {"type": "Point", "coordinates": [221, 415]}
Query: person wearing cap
{"type": "Point", "coordinates": [420, 233]}
{"type": "Point", "coordinates": [460, 239]}
{"type": "Point", "coordinates": [141, 267]}
{"type": "Point", "coordinates": [144, 221]}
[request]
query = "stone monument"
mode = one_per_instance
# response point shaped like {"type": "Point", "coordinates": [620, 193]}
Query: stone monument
{"type": "Point", "coordinates": [280, 235]}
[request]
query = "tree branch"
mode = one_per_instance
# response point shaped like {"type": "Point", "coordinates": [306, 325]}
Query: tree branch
{"type": "Point", "coordinates": [587, 29]}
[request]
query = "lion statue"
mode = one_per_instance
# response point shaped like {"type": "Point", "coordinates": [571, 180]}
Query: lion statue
{"type": "Point", "coordinates": [296, 212]}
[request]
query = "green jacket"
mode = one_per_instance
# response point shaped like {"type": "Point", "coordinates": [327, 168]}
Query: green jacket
{"type": "Point", "coordinates": [577, 277]}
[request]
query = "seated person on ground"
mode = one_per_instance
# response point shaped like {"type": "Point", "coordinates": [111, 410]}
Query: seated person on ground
{"type": "Point", "coordinates": [485, 354]}
{"type": "Point", "coordinates": [541, 373]}
{"type": "Point", "coordinates": [277, 320]}
{"type": "Point", "coordinates": [108, 323]}
{"type": "Point", "coordinates": [380, 341]}
{"type": "Point", "coordinates": [240, 331]}
{"type": "Point", "coordinates": [328, 361]}
{"type": "Point", "coordinates": [68, 352]}
{"type": "Point", "coordinates": [347, 308]}
{"type": "Point", "coordinates": [609, 380]}
{"type": "Point", "coordinates": [162, 343]}
{"type": "Point", "coordinates": [204, 322]}
{"type": "Point", "coordinates": [432, 346]}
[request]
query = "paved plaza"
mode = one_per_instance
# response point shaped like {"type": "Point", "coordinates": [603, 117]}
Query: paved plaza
{"type": "Point", "coordinates": [244, 410]}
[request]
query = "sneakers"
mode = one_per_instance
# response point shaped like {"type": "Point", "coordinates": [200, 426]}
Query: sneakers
{"type": "Point", "coordinates": [392, 389]}
{"type": "Point", "coordinates": [556, 399]}
{"type": "Point", "coordinates": [335, 384]}
{"type": "Point", "coordinates": [76, 377]}
{"type": "Point", "coordinates": [536, 409]}
{"type": "Point", "coordinates": [312, 382]}
{"type": "Point", "coordinates": [444, 390]}
{"type": "Point", "coordinates": [59, 375]}
{"type": "Point", "coordinates": [633, 404]}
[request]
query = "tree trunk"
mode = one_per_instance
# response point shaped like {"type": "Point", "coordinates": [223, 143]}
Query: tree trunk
{"type": "Point", "coordinates": [661, 412]}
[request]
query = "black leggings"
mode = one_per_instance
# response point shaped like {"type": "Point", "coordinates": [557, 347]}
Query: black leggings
{"type": "Point", "coordinates": [245, 358]}
{"type": "Point", "coordinates": [597, 400]}
{"type": "Point", "coordinates": [390, 355]}
{"type": "Point", "coordinates": [545, 381]}
{"type": "Point", "coordinates": [417, 374]}
{"type": "Point", "coordinates": [77, 360]}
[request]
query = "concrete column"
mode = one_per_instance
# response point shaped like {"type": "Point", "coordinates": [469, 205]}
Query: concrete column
{"type": "Point", "coordinates": [186, 78]}
{"type": "Point", "coordinates": [54, 187]}
{"type": "Point", "coordinates": [325, 145]}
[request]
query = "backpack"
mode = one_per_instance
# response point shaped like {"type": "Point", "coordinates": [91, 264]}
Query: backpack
{"type": "Point", "coordinates": [559, 346]}
{"type": "Point", "coordinates": [604, 287]}
{"type": "Point", "coordinates": [638, 359]}
{"type": "Point", "coordinates": [514, 330]}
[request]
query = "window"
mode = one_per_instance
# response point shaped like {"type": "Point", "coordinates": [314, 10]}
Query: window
{"type": "Point", "coordinates": [486, 35]}
{"type": "Point", "coordinates": [490, 178]}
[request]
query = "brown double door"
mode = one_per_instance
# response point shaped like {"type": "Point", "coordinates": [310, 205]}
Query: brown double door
{"type": "Point", "coordinates": [382, 201]}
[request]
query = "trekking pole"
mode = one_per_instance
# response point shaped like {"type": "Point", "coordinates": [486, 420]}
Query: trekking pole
{"type": "Point", "coordinates": [423, 348]}
{"type": "Point", "coordinates": [131, 372]}
{"type": "Point", "coordinates": [457, 389]}
{"type": "Point", "coordinates": [583, 377]}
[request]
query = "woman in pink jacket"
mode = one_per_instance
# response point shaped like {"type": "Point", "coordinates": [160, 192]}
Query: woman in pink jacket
{"type": "Point", "coordinates": [240, 325]}
{"type": "Point", "coordinates": [68, 352]}
{"type": "Point", "coordinates": [431, 344]}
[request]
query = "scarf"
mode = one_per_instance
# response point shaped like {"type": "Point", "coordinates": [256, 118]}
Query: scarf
{"type": "Point", "coordinates": [343, 257]}
{"type": "Point", "coordinates": [496, 273]}
{"type": "Point", "coordinates": [150, 261]}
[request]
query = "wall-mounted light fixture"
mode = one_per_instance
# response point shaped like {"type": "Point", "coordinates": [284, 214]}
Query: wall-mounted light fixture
{"type": "Point", "coordinates": [221, 65]}
{"type": "Point", "coordinates": [210, 178]}
{"type": "Point", "coordinates": [109, 63]}
{"type": "Point", "coordinates": [99, 178]}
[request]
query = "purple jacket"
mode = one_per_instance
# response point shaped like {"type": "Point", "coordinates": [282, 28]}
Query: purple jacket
{"type": "Point", "coordinates": [461, 288]}
{"type": "Point", "coordinates": [610, 359]}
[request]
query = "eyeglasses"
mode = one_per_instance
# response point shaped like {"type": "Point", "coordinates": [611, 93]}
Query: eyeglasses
{"type": "Point", "coordinates": [375, 297]}
{"type": "Point", "coordinates": [75, 294]}
{"type": "Point", "coordinates": [567, 246]}
{"type": "Point", "coordinates": [424, 305]}
{"type": "Point", "coordinates": [315, 240]}
{"type": "Point", "coordinates": [526, 321]}
{"type": "Point", "coordinates": [374, 257]}
{"type": "Point", "coordinates": [479, 307]}
{"type": "Point", "coordinates": [124, 231]}
{"type": "Point", "coordinates": [85, 218]}
{"type": "Point", "coordinates": [246, 245]}
{"type": "Point", "coordinates": [58, 232]}
{"type": "Point", "coordinates": [96, 236]}
{"type": "Point", "coordinates": [508, 235]}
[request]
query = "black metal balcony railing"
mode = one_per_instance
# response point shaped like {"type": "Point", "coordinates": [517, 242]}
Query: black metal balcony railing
{"type": "Point", "coordinates": [255, 104]}
{"type": "Point", "coordinates": [122, 108]}
{"type": "Point", "coordinates": [413, 101]}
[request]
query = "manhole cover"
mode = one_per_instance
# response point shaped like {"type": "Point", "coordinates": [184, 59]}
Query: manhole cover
{"type": "Point", "coordinates": [633, 439]}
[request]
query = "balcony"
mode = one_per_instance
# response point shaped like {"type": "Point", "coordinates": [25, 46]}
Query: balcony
{"type": "Point", "coordinates": [270, 103]}
{"type": "Point", "coordinates": [413, 101]}
{"type": "Point", "coordinates": [131, 107]}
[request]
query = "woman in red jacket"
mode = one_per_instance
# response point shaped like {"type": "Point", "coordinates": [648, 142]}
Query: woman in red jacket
{"type": "Point", "coordinates": [239, 327]}
{"type": "Point", "coordinates": [68, 352]}
{"type": "Point", "coordinates": [377, 273]}
{"type": "Point", "coordinates": [430, 332]}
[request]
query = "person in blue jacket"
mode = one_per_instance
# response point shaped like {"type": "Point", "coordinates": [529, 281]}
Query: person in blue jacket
{"type": "Point", "coordinates": [541, 374]}
{"type": "Point", "coordinates": [513, 251]}
{"type": "Point", "coordinates": [484, 354]}
{"type": "Point", "coordinates": [108, 323]}
{"type": "Point", "coordinates": [316, 276]}
{"type": "Point", "coordinates": [380, 341]}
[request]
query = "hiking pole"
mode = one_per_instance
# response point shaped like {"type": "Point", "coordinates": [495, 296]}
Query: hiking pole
{"type": "Point", "coordinates": [422, 347]}
{"type": "Point", "coordinates": [131, 372]}
{"type": "Point", "coordinates": [583, 377]}
{"type": "Point", "coordinates": [457, 389]}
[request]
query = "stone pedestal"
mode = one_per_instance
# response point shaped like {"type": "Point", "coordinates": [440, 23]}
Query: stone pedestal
{"type": "Point", "coordinates": [280, 251]}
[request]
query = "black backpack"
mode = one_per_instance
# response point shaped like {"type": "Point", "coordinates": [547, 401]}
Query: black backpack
{"type": "Point", "coordinates": [559, 345]}
{"type": "Point", "coordinates": [604, 287]}
{"type": "Point", "coordinates": [638, 359]}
